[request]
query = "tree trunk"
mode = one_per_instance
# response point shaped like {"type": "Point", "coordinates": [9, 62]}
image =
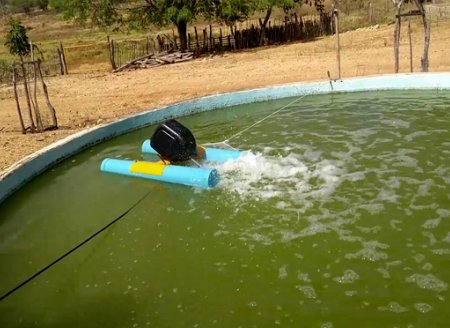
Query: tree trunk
{"type": "Point", "coordinates": [182, 33]}
{"type": "Point", "coordinates": [27, 95]}
{"type": "Point", "coordinates": [263, 25]}
{"type": "Point", "coordinates": [47, 99]}
{"type": "Point", "coordinates": [424, 60]}
{"type": "Point", "coordinates": [36, 104]}
{"type": "Point", "coordinates": [426, 28]}
{"type": "Point", "coordinates": [16, 96]}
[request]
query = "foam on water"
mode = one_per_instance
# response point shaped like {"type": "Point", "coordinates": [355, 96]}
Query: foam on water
{"type": "Point", "coordinates": [348, 277]}
{"type": "Point", "coordinates": [393, 307]}
{"type": "Point", "coordinates": [260, 177]}
{"type": "Point", "coordinates": [428, 281]}
{"type": "Point", "coordinates": [423, 307]}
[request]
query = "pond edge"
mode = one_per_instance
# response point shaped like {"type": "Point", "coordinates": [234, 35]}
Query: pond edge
{"type": "Point", "coordinates": [29, 167]}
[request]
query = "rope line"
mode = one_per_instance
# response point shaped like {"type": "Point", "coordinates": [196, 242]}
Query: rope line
{"type": "Point", "coordinates": [265, 118]}
{"type": "Point", "coordinates": [22, 284]}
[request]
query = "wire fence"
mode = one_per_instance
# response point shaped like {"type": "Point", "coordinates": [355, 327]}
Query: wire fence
{"type": "Point", "coordinates": [212, 39]}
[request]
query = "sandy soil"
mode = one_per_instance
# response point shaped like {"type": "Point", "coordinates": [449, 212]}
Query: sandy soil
{"type": "Point", "coordinates": [84, 100]}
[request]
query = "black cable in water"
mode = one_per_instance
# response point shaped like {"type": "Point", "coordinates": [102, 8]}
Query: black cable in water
{"type": "Point", "coordinates": [72, 250]}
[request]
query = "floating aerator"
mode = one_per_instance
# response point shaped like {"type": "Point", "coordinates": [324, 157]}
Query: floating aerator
{"type": "Point", "coordinates": [191, 176]}
{"type": "Point", "coordinates": [174, 142]}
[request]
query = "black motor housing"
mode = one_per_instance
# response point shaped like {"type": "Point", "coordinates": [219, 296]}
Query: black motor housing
{"type": "Point", "coordinates": [174, 142]}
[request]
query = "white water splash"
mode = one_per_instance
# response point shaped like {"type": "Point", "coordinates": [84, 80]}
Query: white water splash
{"type": "Point", "coordinates": [259, 177]}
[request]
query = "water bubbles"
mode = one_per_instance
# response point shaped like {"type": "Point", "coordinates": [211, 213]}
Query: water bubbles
{"type": "Point", "coordinates": [427, 266]}
{"type": "Point", "coordinates": [282, 273]}
{"type": "Point", "coordinates": [419, 257]}
{"type": "Point", "coordinates": [393, 307]}
{"type": "Point", "coordinates": [423, 307]}
{"type": "Point", "coordinates": [428, 281]}
{"type": "Point", "coordinates": [303, 277]}
{"type": "Point", "coordinates": [308, 291]}
{"type": "Point", "coordinates": [373, 208]}
{"type": "Point", "coordinates": [443, 213]}
{"type": "Point", "coordinates": [348, 277]}
{"type": "Point", "coordinates": [446, 239]}
{"type": "Point", "coordinates": [350, 293]}
{"type": "Point", "coordinates": [396, 123]}
{"type": "Point", "coordinates": [387, 196]}
{"type": "Point", "coordinates": [370, 252]}
{"type": "Point", "coordinates": [431, 223]}
{"type": "Point", "coordinates": [255, 176]}
{"type": "Point", "coordinates": [441, 251]}
{"type": "Point", "coordinates": [430, 236]}
{"type": "Point", "coordinates": [252, 304]}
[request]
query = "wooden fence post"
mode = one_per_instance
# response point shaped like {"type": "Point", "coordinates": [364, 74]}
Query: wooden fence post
{"type": "Point", "coordinates": [32, 51]}
{"type": "Point", "coordinates": [196, 38]}
{"type": "Point", "coordinates": [63, 59]}
{"type": "Point", "coordinates": [205, 41]}
{"type": "Point", "coordinates": [338, 46]}
{"type": "Point", "coordinates": [61, 68]}
{"type": "Point", "coordinates": [111, 53]}
{"type": "Point", "coordinates": [210, 37]}
{"type": "Point", "coordinates": [410, 46]}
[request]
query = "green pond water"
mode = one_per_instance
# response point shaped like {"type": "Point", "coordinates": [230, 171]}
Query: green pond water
{"type": "Point", "coordinates": [339, 218]}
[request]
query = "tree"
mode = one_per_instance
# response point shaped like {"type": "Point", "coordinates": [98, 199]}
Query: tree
{"type": "Point", "coordinates": [178, 12]}
{"type": "Point", "coordinates": [22, 6]}
{"type": "Point", "coordinates": [135, 13]}
{"type": "Point", "coordinates": [41, 4]}
{"type": "Point", "coordinates": [19, 45]}
{"type": "Point", "coordinates": [3, 7]}
{"type": "Point", "coordinates": [229, 11]}
{"type": "Point", "coordinates": [17, 39]}
{"type": "Point", "coordinates": [267, 7]}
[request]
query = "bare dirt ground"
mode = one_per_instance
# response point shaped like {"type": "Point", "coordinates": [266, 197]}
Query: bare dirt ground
{"type": "Point", "coordinates": [84, 100]}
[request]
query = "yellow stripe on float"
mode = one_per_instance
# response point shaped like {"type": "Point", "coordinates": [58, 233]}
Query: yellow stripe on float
{"type": "Point", "coordinates": [201, 152]}
{"type": "Point", "coordinates": [147, 168]}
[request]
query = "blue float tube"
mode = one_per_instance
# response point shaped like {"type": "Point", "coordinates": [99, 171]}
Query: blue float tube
{"type": "Point", "coordinates": [211, 154]}
{"type": "Point", "coordinates": [191, 176]}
